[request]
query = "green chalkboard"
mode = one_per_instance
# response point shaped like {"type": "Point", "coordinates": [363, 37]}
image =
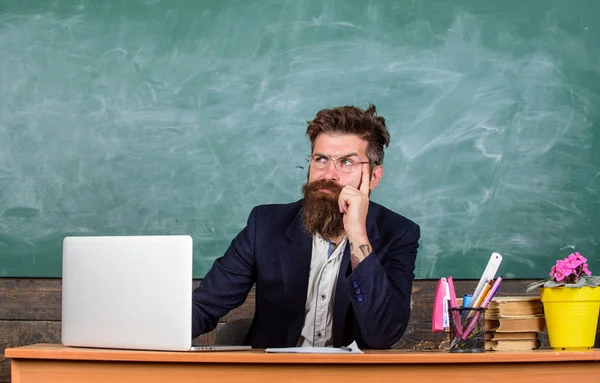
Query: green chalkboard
{"type": "Point", "coordinates": [172, 117]}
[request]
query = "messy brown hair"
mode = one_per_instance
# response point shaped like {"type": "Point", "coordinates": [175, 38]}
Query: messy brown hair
{"type": "Point", "coordinates": [365, 124]}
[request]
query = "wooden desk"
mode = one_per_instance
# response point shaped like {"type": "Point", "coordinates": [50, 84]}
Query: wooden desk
{"type": "Point", "coordinates": [51, 363]}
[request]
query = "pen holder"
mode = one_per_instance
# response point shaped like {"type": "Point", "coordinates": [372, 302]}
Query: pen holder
{"type": "Point", "coordinates": [467, 329]}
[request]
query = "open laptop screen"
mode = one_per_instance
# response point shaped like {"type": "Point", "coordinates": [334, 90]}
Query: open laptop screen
{"type": "Point", "coordinates": [132, 292]}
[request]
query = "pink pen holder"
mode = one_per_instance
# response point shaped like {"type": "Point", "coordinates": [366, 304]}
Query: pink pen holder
{"type": "Point", "coordinates": [467, 329]}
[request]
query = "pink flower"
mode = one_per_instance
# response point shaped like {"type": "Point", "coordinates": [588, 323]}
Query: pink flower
{"type": "Point", "coordinates": [581, 257]}
{"type": "Point", "coordinates": [564, 268]}
{"type": "Point", "coordinates": [570, 269]}
{"type": "Point", "coordinates": [573, 261]}
{"type": "Point", "coordinates": [558, 276]}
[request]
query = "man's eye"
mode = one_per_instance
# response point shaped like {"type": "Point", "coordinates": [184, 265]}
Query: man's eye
{"type": "Point", "coordinates": [346, 162]}
{"type": "Point", "coordinates": [321, 159]}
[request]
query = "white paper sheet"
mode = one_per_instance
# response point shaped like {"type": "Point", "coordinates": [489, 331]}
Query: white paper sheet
{"type": "Point", "coordinates": [351, 349]}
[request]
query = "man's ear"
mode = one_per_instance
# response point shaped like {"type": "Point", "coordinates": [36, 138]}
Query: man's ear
{"type": "Point", "coordinates": [376, 176]}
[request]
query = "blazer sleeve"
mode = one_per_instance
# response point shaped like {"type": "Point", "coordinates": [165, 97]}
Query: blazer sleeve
{"type": "Point", "coordinates": [380, 288]}
{"type": "Point", "coordinates": [228, 282]}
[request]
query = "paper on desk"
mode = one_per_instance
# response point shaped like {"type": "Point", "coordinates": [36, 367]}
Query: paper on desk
{"type": "Point", "coordinates": [351, 349]}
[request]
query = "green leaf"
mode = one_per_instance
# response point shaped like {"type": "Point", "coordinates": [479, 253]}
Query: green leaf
{"type": "Point", "coordinates": [551, 283]}
{"type": "Point", "coordinates": [535, 285]}
{"type": "Point", "coordinates": [576, 285]}
{"type": "Point", "coordinates": [592, 281]}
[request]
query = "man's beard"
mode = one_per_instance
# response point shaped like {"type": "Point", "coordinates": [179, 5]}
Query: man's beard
{"type": "Point", "coordinates": [320, 210]}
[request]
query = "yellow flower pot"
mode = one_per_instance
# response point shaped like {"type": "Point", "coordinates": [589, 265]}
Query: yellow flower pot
{"type": "Point", "coordinates": [571, 316]}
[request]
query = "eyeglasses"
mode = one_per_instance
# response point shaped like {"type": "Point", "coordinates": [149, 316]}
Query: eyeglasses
{"type": "Point", "coordinates": [342, 163]}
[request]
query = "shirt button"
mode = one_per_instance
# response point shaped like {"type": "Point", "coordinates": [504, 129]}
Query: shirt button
{"type": "Point", "coordinates": [323, 297]}
{"type": "Point", "coordinates": [319, 335]}
{"type": "Point", "coordinates": [355, 284]}
{"type": "Point", "coordinates": [360, 298]}
{"type": "Point", "coordinates": [358, 291]}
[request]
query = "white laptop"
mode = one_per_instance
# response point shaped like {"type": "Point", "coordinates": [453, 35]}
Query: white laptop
{"type": "Point", "coordinates": [129, 292]}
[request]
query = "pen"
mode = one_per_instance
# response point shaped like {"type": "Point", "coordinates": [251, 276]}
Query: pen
{"type": "Point", "coordinates": [346, 348]}
{"type": "Point", "coordinates": [483, 305]}
{"type": "Point", "coordinates": [492, 292]}
{"type": "Point", "coordinates": [483, 293]}
{"type": "Point", "coordinates": [454, 305]}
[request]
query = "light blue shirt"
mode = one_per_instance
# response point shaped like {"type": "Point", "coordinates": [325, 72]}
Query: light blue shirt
{"type": "Point", "coordinates": [324, 270]}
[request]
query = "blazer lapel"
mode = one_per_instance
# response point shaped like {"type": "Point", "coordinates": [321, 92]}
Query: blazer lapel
{"type": "Point", "coordinates": [342, 300]}
{"type": "Point", "coordinates": [295, 261]}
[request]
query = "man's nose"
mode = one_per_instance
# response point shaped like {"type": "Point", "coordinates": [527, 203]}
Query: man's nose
{"type": "Point", "coordinates": [332, 172]}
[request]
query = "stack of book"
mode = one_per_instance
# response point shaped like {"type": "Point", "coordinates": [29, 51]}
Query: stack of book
{"type": "Point", "coordinates": [513, 323]}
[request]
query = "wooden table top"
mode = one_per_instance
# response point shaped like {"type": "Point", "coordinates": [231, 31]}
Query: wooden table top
{"type": "Point", "coordinates": [60, 352]}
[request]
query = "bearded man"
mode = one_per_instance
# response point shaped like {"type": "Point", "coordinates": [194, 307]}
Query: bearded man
{"type": "Point", "coordinates": [329, 269]}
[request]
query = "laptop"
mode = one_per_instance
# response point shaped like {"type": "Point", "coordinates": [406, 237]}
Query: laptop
{"type": "Point", "coordinates": [129, 292]}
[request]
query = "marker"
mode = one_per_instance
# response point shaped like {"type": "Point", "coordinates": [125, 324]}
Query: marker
{"type": "Point", "coordinates": [483, 305]}
{"type": "Point", "coordinates": [454, 304]}
{"type": "Point", "coordinates": [467, 299]}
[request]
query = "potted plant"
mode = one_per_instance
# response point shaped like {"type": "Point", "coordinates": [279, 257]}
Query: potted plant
{"type": "Point", "coordinates": [571, 299]}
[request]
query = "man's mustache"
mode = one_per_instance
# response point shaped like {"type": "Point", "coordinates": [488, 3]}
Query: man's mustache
{"type": "Point", "coordinates": [318, 185]}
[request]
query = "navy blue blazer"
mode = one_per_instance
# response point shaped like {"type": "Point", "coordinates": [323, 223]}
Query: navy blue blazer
{"type": "Point", "coordinates": [372, 302]}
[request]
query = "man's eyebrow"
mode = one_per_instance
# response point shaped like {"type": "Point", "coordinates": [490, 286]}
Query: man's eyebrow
{"type": "Point", "coordinates": [342, 156]}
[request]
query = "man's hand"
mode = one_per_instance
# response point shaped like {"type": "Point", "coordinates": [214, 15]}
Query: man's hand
{"type": "Point", "coordinates": [354, 204]}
